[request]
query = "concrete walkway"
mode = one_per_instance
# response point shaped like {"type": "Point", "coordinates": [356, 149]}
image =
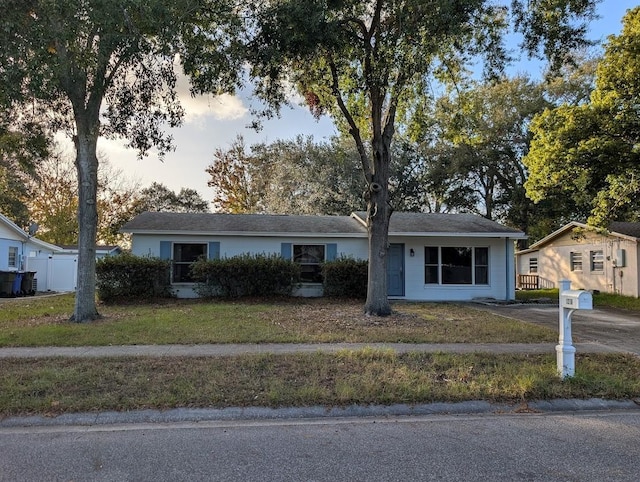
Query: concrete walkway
{"type": "Point", "coordinates": [236, 349]}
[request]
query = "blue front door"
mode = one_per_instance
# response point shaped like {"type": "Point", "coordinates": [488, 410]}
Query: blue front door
{"type": "Point", "coordinates": [395, 270]}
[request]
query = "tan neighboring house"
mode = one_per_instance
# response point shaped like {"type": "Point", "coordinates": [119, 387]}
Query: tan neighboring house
{"type": "Point", "coordinates": [607, 262]}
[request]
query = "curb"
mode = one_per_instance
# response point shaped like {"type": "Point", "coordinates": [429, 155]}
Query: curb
{"type": "Point", "coordinates": [194, 415]}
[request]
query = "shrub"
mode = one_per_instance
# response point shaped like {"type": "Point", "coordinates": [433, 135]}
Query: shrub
{"type": "Point", "coordinates": [245, 275]}
{"type": "Point", "coordinates": [345, 278]}
{"type": "Point", "coordinates": [127, 277]}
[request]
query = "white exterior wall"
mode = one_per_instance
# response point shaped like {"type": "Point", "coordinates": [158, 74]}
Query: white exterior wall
{"type": "Point", "coordinates": [149, 245]}
{"type": "Point", "coordinates": [554, 263]}
{"type": "Point", "coordinates": [501, 272]}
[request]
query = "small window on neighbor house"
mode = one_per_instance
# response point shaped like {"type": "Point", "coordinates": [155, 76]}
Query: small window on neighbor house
{"type": "Point", "coordinates": [576, 261]}
{"type": "Point", "coordinates": [13, 257]}
{"type": "Point", "coordinates": [310, 258]}
{"type": "Point", "coordinates": [597, 260]}
{"type": "Point", "coordinates": [183, 255]}
{"type": "Point", "coordinates": [533, 265]}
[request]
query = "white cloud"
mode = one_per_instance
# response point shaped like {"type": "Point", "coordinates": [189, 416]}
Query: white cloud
{"type": "Point", "coordinates": [198, 108]}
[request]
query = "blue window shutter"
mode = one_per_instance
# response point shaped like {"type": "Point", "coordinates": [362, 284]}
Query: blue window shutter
{"type": "Point", "coordinates": [214, 250]}
{"type": "Point", "coordinates": [285, 250]}
{"type": "Point", "coordinates": [332, 252]}
{"type": "Point", "coordinates": [165, 249]}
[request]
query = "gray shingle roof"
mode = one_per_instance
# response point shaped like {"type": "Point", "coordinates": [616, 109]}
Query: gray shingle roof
{"type": "Point", "coordinates": [628, 229]}
{"type": "Point", "coordinates": [264, 224]}
{"type": "Point", "coordinates": [443, 223]}
{"type": "Point", "coordinates": [242, 223]}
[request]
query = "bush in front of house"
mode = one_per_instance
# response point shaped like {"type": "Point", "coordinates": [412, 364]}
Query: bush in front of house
{"type": "Point", "coordinates": [345, 278]}
{"type": "Point", "coordinates": [245, 275]}
{"type": "Point", "coordinates": [128, 277]}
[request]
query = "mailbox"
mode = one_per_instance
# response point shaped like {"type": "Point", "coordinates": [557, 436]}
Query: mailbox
{"type": "Point", "coordinates": [576, 300]}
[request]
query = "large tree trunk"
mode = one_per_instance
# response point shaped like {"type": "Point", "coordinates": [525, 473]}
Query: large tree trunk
{"type": "Point", "coordinates": [87, 165]}
{"type": "Point", "coordinates": [378, 215]}
{"type": "Point", "coordinates": [377, 302]}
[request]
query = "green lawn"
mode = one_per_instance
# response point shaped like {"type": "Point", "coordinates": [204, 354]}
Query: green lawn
{"type": "Point", "coordinates": [61, 385]}
{"type": "Point", "coordinates": [58, 385]}
{"type": "Point", "coordinates": [44, 322]}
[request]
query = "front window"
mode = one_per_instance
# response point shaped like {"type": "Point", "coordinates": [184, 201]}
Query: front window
{"type": "Point", "coordinates": [576, 261]}
{"type": "Point", "coordinates": [13, 257]}
{"type": "Point", "coordinates": [597, 260]}
{"type": "Point", "coordinates": [533, 265]}
{"type": "Point", "coordinates": [456, 265]}
{"type": "Point", "coordinates": [183, 255]}
{"type": "Point", "coordinates": [310, 258]}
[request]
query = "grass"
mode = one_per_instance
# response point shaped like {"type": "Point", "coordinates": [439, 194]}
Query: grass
{"type": "Point", "coordinates": [600, 300]}
{"type": "Point", "coordinates": [58, 385]}
{"type": "Point", "coordinates": [43, 322]}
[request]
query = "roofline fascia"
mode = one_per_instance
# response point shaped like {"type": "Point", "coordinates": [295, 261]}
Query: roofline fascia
{"type": "Point", "coordinates": [264, 234]}
{"type": "Point", "coordinates": [25, 236]}
{"type": "Point", "coordinates": [576, 224]}
{"type": "Point", "coordinates": [445, 234]}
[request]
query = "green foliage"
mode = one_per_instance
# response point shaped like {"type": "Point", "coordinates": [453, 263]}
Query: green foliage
{"type": "Point", "coordinates": [365, 63]}
{"type": "Point", "coordinates": [129, 277]}
{"type": "Point", "coordinates": [71, 58]}
{"type": "Point", "coordinates": [297, 176]}
{"type": "Point", "coordinates": [245, 275]}
{"type": "Point", "coordinates": [345, 278]}
{"type": "Point", "coordinates": [589, 152]}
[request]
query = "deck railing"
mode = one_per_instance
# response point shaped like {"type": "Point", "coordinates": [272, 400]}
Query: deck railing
{"type": "Point", "coordinates": [528, 282]}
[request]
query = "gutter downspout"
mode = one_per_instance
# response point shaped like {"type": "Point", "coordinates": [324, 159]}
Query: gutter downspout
{"type": "Point", "coordinates": [508, 277]}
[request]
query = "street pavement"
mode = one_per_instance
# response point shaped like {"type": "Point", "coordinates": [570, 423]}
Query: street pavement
{"type": "Point", "coordinates": [592, 446]}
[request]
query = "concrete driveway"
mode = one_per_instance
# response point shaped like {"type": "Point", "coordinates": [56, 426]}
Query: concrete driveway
{"type": "Point", "coordinates": [606, 326]}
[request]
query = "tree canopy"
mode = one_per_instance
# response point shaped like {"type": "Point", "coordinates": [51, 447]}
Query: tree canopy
{"type": "Point", "coordinates": [364, 61]}
{"type": "Point", "coordinates": [589, 152]}
{"type": "Point", "coordinates": [68, 57]}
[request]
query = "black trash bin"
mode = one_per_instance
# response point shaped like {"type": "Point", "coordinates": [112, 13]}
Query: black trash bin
{"type": "Point", "coordinates": [27, 283]}
{"type": "Point", "coordinates": [7, 279]}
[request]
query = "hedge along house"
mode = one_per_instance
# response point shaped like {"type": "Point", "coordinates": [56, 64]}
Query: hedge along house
{"type": "Point", "coordinates": [434, 257]}
{"type": "Point", "coordinates": [591, 260]}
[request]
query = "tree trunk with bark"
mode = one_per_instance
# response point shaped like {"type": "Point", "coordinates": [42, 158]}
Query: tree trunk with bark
{"type": "Point", "coordinates": [86, 142]}
{"type": "Point", "coordinates": [378, 216]}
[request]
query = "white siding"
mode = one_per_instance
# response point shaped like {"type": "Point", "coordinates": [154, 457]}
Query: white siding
{"type": "Point", "coordinates": [554, 263]}
{"type": "Point", "coordinates": [501, 285]}
{"type": "Point", "coordinates": [501, 271]}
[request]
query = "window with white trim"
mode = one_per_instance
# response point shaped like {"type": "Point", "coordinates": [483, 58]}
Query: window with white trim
{"type": "Point", "coordinates": [13, 257]}
{"type": "Point", "coordinates": [575, 258]}
{"type": "Point", "coordinates": [449, 265]}
{"type": "Point", "coordinates": [310, 258]}
{"type": "Point", "coordinates": [183, 255]}
{"type": "Point", "coordinates": [596, 260]}
{"type": "Point", "coordinates": [533, 265]}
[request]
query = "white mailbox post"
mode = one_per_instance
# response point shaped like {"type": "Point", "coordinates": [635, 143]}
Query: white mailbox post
{"type": "Point", "coordinates": [570, 300]}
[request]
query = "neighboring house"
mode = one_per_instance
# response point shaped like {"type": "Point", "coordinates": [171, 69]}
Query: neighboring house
{"type": "Point", "coordinates": [55, 267]}
{"type": "Point", "coordinates": [18, 250]}
{"type": "Point", "coordinates": [431, 256]}
{"type": "Point", "coordinates": [591, 260]}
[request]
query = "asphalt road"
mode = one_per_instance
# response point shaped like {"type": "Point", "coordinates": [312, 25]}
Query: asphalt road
{"type": "Point", "coordinates": [606, 326]}
{"type": "Point", "coordinates": [586, 446]}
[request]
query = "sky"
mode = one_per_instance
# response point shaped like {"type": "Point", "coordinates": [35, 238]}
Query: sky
{"type": "Point", "coordinates": [215, 122]}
